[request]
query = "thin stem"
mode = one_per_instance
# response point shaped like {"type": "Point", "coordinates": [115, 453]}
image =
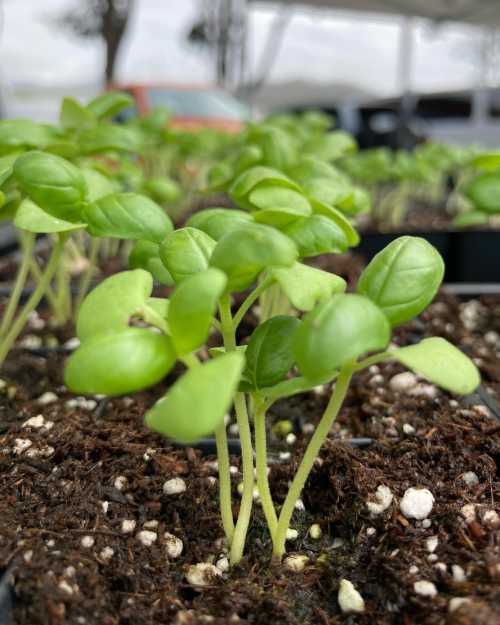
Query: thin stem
{"type": "Point", "coordinates": [224, 482]}
{"type": "Point", "coordinates": [63, 309]}
{"type": "Point", "coordinates": [261, 466]}
{"type": "Point", "coordinates": [241, 529]}
{"type": "Point", "coordinates": [310, 454]}
{"type": "Point", "coordinates": [250, 299]}
{"type": "Point", "coordinates": [34, 300]}
{"type": "Point", "coordinates": [49, 293]}
{"type": "Point", "coordinates": [27, 241]}
{"type": "Point", "coordinates": [292, 386]}
{"type": "Point", "coordinates": [372, 360]}
{"type": "Point", "coordinates": [88, 273]}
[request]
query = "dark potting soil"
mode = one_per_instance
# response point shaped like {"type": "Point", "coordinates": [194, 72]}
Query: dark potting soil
{"type": "Point", "coordinates": [62, 508]}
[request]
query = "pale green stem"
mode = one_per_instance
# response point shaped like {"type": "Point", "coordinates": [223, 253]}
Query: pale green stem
{"type": "Point", "coordinates": [224, 482]}
{"type": "Point", "coordinates": [88, 273]}
{"type": "Point", "coordinates": [373, 360]}
{"type": "Point", "coordinates": [49, 293]}
{"type": "Point", "coordinates": [17, 327]}
{"type": "Point", "coordinates": [250, 299]}
{"type": "Point", "coordinates": [63, 310]}
{"type": "Point", "coordinates": [27, 240]}
{"type": "Point", "coordinates": [310, 455]}
{"type": "Point", "coordinates": [241, 528]}
{"type": "Point", "coordinates": [261, 466]}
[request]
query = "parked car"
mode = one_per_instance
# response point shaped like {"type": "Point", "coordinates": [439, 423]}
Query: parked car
{"type": "Point", "coordinates": [192, 107]}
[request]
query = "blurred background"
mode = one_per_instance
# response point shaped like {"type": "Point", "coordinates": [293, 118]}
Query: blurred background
{"type": "Point", "coordinates": [433, 64]}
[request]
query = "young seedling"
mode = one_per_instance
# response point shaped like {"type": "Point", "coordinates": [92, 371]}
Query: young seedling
{"type": "Point", "coordinates": [339, 336]}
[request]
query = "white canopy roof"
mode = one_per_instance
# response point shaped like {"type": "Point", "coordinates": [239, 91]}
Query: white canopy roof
{"type": "Point", "coordinates": [478, 12]}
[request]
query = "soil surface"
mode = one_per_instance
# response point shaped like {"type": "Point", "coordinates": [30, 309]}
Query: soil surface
{"type": "Point", "coordinates": [82, 481]}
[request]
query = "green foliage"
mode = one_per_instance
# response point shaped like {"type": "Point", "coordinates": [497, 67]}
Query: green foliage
{"type": "Point", "coordinates": [196, 404]}
{"type": "Point", "coordinates": [109, 104]}
{"type": "Point", "coordinates": [109, 138]}
{"type": "Point", "coordinates": [16, 134]}
{"type": "Point", "coordinates": [403, 278]}
{"type": "Point", "coordinates": [185, 252]}
{"type": "Point", "coordinates": [118, 363]}
{"type": "Point", "coordinates": [192, 307]}
{"type": "Point", "coordinates": [305, 286]}
{"type": "Point", "coordinates": [109, 307]}
{"type": "Point", "coordinates": [245, 252]}
{"type": "Point", "coordinates": [442, 363]}
{"type": "Point", "coordinates": [32, 218]}
{"type": "Point", "coordinates": [484, 192]}
{"type": "Point", "coordinates": [128, 216]}
{"type": "Point", "coordinates": [216, 222]}
{"type": "Point", "coordinates": [146, 255]}
{"type": "Point", "coordinates": [53, 183]}
{"type": "Point", "coordinates": [269, 355]}
{"type": "Point", "coordinates": [316, 235]}
{"type": "Point", "coordinates": [338, 331]}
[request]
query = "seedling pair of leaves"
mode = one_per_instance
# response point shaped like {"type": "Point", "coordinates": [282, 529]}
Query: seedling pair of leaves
{"type": "Point", "coordinates": [331, 341]}
{"type": "Point", "coordinates": [483, 192]}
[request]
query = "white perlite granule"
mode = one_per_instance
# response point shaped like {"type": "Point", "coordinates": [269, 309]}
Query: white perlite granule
{"type": "Point", "coordinates": [383, 499]}
{"type": "Point", "coordinates": [417, 503]}
{"type": "Point", "coordinates": [202, 574]}
{"type": "Point", "coordinates": [425, 588]}
{"type": "Point", "coordinates": [175, 486]}
{"type": "Point", "coordinates": [349, 598]}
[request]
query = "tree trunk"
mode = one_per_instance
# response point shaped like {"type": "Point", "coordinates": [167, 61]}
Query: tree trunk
{"type": "Point", "coordinates": [114, 24]}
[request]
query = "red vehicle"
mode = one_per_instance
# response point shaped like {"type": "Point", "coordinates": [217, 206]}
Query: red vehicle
{"type": "Point", "coordinates": [191, 106]}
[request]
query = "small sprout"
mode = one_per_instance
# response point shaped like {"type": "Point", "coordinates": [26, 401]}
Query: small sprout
{"type": "Point", "coordinates": [425, 588]}
{"type": "Point", "coordinates": [350, 600]}
{"type": "Point", "coordinates": [315, 531]}
{"type": "Point", "coordinates": [202, 574]}
{"type": "Point", "coordinates": [417, 503]}
{"type": "Point", "coordinates": [296, 562]}
{"type": "Point", "coordinates": [173, 545]}
{"type": "Point", "coordinates": [174, 486]}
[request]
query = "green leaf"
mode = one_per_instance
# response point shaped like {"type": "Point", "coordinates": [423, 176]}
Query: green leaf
{"type": "Point", "coordinates": [23, 133]}
{"type": "Point", "coordinates": [74, 116]}
{"type": "Point", "coordinates": [305, 286]}
{"type": "Point", "coordinates": [244, 253]}
{"type": "Point", "coordinates": [403, 278]}
{"type": "Point", "coordinates": [316, 235]}
{"type": "Point", "coordinates": [52, 182]}
{"type": "Point", "coordinates": [249, 179]}
{"type": "Point", "coordinates": [269, 354]}
{"type": "Point", "coordinates": [163, 189]}
{"type": "Point", "coordinates": [484, 192]}
{"type": "Point", "coordinates": [128, 216]}
{"type": "Point", "coordinates": [110, 305]}
{"type": "Point", "coordinates": [192, 306]}
{"type": "Point", "coordinates": [160, 305]}
{"type": "Point", "coordinates": [338, 331]}
{"type": "Point", "coordinates": [217, 222]}
{"type": "Point", "coordinates": [32, 218]}
{"type": "Point", "coordinates": [488, 161]}
{"type": "Point", "coordinates": [332, 213]}
{"type": "Point", "coordinates": [119, 363]}
{"type": "Point", "coordinates": [146, 255]}
{"type": "Point", "coordinates": [109, 139]}
{"type": "Point", "coordinates": [7, 166]}
{"type": "Point", "coordinates": [185, 252]}
{"type": "Point", "coordinates": [110, 104]}
{"type": "Point", "coordinates": [98, 185]}
{"type": "Point", "coordinates": [470, 218]}
{"type": "Point", "coordinates": [441, 363]}
{"type": "Point", "coordinates": [197, 403]}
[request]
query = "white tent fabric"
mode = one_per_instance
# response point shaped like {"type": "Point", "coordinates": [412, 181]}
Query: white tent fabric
{"type": "Point", "coordinates": [478, 12]}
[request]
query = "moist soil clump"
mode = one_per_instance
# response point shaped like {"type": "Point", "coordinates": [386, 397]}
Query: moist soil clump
{"type": "Point", "coordinates": [82, 479]}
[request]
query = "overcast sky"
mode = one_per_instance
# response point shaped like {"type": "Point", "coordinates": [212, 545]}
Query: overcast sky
{"type": "Point", "coordinates": [336, 46]}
